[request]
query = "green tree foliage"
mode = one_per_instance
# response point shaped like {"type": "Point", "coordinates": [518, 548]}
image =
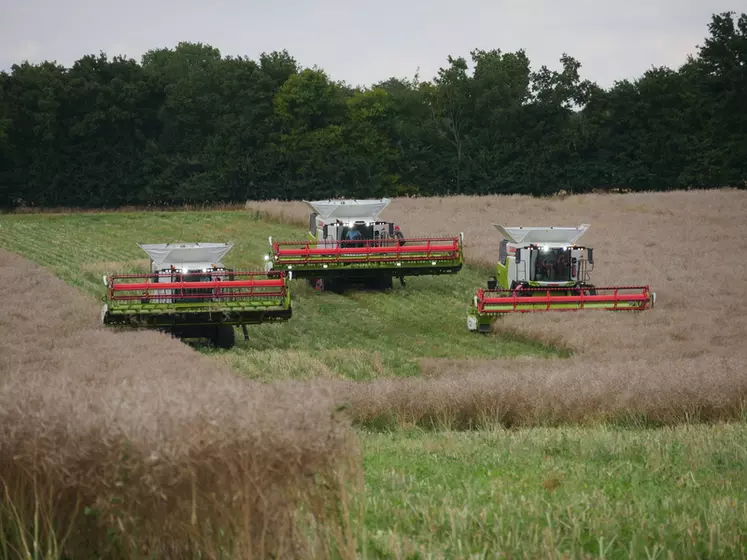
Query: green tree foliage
{"type": "Point", "coordinates": [189, 125]}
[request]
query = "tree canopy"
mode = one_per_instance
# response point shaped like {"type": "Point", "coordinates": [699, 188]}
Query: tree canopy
{"type": "Point", "coordinates": [189, 125]}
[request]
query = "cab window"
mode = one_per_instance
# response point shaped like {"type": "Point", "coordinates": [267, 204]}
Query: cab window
{"type": "Point", "coordinates": [552, 265]}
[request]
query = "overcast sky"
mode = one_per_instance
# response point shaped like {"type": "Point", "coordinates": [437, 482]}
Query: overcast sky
{"type": "Point", "coordinates": [362, 42]}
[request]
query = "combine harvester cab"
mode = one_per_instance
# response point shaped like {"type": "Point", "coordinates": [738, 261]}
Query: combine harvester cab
{"type": "Point", "coordinates": [543, 269]}
{"type": "Point", "coordinates": [348, 244]}
{"type": "Point", "coordinates": [191, 294]}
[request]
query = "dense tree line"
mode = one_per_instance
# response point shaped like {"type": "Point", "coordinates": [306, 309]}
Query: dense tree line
{"type": "Point", "coordinates": [188, 125]}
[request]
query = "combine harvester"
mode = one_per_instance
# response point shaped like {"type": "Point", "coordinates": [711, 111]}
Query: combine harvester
{"type": "Point", "coordinates": [542, 269]}
{"type": "Point", "coordinates": [191, 294]}
{"type": "Point", "coordinates": [349, 245]}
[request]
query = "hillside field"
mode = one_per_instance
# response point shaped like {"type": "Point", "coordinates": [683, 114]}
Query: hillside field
{"type": "Point", "coordinates": [580, 435]}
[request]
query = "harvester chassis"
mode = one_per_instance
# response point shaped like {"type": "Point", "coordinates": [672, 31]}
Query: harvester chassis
{"type": "Point", "coordinates": [217, 326]}
{"type": "Point", "coordinates": [542, 269]}
{"type": "Point", "coordinates": [577, 289]}
{"type": "Point", "coordinates": [349, 246]}
{"type": "Point", "coordinates": [338, 280]}
{"type": "Point", "coordinates": [189, 293]}
{"type": "Point", "coordinates": [221, 335]}
{"type": "Point", "coordinates": [201, 319]}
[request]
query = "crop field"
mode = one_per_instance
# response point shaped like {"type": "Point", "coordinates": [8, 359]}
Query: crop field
{"type": "Point", "coordinates": [588, 434]}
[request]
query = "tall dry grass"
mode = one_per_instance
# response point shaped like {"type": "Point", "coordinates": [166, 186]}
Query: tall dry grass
{"type": "Point", "coordinates": [686, 354]}
{"type": "Point", "coordinates": [133, 443]}
{"type": "Point", "coordinates": [464, 394]}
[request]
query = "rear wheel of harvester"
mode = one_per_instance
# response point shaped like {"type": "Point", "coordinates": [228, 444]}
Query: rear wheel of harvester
{"type": "Point", "coordinates": [224, 336]}
{"type": "Point", "coordinates": [379, 283]}
{"type": "Point", "coordinates": [321, 285]}
{"type": "Point", "coordinates": [335, 285]}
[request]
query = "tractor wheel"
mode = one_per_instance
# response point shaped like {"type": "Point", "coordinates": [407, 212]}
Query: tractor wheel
{"type": "Point", "coordinates": [335, 285]}
{"type": "Point", "coordinates": [224, 336]}
{"type": "Point", "coordinates": [385, 283]}
{"type": "Point", "coordinates": [589, 289]}
{"type": "Point", "coordinates": [378, 283]}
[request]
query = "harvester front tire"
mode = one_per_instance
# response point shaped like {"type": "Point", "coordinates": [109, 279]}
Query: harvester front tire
{"type": "Point", "coordinates": [336, 285]}
{"type": "Point", "coordinates": [224, 337]}
{"type": "Point", "coordinates": [378, 283]}
{"type": "Point", "coordinates": [385, 283]}
{"type": "Point", "coordinates": [589, 289]}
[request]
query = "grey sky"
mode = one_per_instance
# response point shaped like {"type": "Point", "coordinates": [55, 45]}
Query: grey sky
{"type": "Point", "coordinates": [364, 42]}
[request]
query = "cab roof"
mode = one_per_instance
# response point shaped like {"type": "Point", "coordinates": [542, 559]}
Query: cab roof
{"type": "Point", "coordinates": [543, 235]}
{"type": "Point", "coordinates": [185, 253]}
{"type": "Point", "coordinates": [365, 210]}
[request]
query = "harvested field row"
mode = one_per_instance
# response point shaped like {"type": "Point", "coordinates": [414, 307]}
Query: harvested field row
{"type": "Point", "coordinates": [134, 443]}
{"type": "Point", "coordinates": [688, 246]}
{"type": "Point", "coordinates": [684, 358]}
{"type": "Point", "coordinates": [81, 248]}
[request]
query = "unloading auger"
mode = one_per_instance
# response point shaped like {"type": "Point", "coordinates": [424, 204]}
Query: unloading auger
{"type": "Point", "coordinates": [348, 244]}
{"type": "Point", "coordinates": [544, 269]}
{"type": "Point", "coordinates": [192, 294]}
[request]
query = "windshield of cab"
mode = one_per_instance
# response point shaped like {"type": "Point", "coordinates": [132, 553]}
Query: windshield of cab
{"type": "Point", "coordinates": [551, 265]}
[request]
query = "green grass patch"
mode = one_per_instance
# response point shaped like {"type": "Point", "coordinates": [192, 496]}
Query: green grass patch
{"type": "Point", "coordinates": [358, 335]}
{"type": "Point", "coordinates": [557, 493]}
